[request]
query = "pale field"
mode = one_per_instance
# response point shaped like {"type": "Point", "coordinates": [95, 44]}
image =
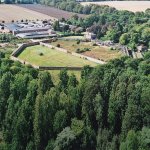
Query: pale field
{"type": "Point", "coordinates": [11, 12]}
{"type": "Point", "coordinates": [133, 6]}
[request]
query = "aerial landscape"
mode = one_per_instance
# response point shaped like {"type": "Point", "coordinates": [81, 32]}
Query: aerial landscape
{"type": "Point", "coordinates": [74, 75]}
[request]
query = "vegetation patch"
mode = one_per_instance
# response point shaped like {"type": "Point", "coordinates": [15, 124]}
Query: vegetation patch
{"type": "Point", "coordinates": [88, 49]}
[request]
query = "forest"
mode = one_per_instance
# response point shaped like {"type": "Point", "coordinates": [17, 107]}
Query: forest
{"type": "Point", "coordinates": [108, 109]}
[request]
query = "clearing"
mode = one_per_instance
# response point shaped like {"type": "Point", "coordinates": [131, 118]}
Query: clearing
{"type": "Point", "coordinates": [97, 52]}
{"type": "Point", "coordinates": [133, 6]}
{"type": "Point", "coordinates": [52, 57]}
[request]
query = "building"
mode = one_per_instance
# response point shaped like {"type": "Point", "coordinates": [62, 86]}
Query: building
{"type": "Point", "coordinates": [90, 36]}
{"type": "Point", "coordinates": [28, 27]}
{"type": "Point", "coordinates": [142, 48]}
{"type": "Point", "coordinates": [40, 34]}
{"type": "Point", "coordinates": [38, 29]}
{"type": "Point", "coordinates": [30, 30]}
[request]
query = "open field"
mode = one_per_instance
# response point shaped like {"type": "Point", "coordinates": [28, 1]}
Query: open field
{"type": "Point", "coordinates": [52, 58]}
{"type": "Point", "coordinates": [95, 51]}
{"type": "Point", "coordinates": [11, 12]}
{"type": "Point", "coordinates": [133, 6]}
{"type": "Point", "coordinates": [50, 11]}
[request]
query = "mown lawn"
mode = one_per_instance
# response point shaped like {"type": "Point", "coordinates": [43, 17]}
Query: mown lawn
{"type": "Point", "coordinates": [103, 53]}
{"type": "Point", "coordinates": [52, 57]}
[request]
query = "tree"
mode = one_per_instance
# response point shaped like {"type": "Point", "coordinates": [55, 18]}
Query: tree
{"type": "Point", "coordinates": [45, 109]}
{"type": "Point", "coordinates": [124, 39]}
{"type": "Point", "coordinates": [86, 72]}
{"type": "Point", "coordinates": [63, 79]}
{"type": "Point", "coordinates": [131, 142]}
{"type": "Point", "coordinates": [65, 140]}
{"type": "Point", "coordinates": [103, 139]}
{"type": "Point", "coordinates": [144, 138]}
{"type": "Point", "coordinates": [4, 94]}
{"type": "Point", "coordinates": [45, 82]}
{"type": "Point", "coordinates": [72, 81]}
{"type": "Point", "coordinates": [56, 26]}
{"type": "Point", "coordinates": [60, 121]}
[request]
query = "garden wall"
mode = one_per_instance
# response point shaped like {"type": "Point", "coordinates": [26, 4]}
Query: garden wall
{"type": "Point", "coordinates": [22, 47]}
{"type": "Point", "coordinates": [88, 58]}
{"type": "Point", "coordinates": [59, 68]}
{"type": "Point", "coordinates": [73, 53]}
{"type": "Point", "coordinates": [24, 62]}
{"type": "Point", "coordinates": [54, 47]}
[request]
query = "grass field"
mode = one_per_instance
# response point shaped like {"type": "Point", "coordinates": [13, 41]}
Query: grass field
{"type": "Point", "coordinates": [12, 12]}
{"type": "Point", "coordinates": [96, 51]}
{"type": "Point", "coordinates": [52, 57]}
{"type": "Point", "coordinates": [133, 6]}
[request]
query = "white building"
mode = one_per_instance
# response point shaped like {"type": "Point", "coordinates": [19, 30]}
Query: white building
{"type": "Point", "coordinates": [90, 36]}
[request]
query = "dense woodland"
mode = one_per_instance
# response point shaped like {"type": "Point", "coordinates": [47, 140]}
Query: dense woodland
{"type": "Point", "coordinates": [108, 109]}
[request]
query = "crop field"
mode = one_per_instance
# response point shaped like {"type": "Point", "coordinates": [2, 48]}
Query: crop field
{"type": "Point", "coordinates": [52, 57]}
{"type": "Point", "coordinates": [13, 12]}
{"type": "Point", "coordinates": [95, 51]}
{"type": "Point", "coordinates": [133, 6]}
{"type": "Point", "coordinates": [50, 11]}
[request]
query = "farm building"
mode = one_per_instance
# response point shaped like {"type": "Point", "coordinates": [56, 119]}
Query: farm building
{"type": "Point", "coordinates": [90, 36]}
{"type": "Point", "coordinates": [38, 29]}
{"type": "Point", "coordinates": [28, 27]}
{"type": "Point", "coordinates": [142, 48]}
{"type": "Point", "coordinates": [49, 33]}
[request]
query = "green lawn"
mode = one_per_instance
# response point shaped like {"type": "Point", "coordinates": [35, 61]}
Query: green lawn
{"type": "Point", "coordinates": [52, 57]}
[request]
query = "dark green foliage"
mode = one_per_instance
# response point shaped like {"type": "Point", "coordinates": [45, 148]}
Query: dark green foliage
{"type": "Point", "coordinates": [65, 140]}
{"type": "Point", "coordinates": [45, 82]}
{"type": "Point", "coordinates": [108, 109]}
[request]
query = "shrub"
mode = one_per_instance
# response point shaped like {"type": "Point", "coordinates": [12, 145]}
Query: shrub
{"type": "Point", "coordinates": [111, 48]}
{"type": "Point", "coordinates": [78, 41]}
{"type": "Point", "coordinates": [58, 45]}
{"type": "Point", "coordinates": [41, 54]}
{"type": "Point", "coordinates": [86, 49]}
{"type": "Point", "coordinates": [94, 44]}
{"type": "Point", "coordinates": [78, 50]}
